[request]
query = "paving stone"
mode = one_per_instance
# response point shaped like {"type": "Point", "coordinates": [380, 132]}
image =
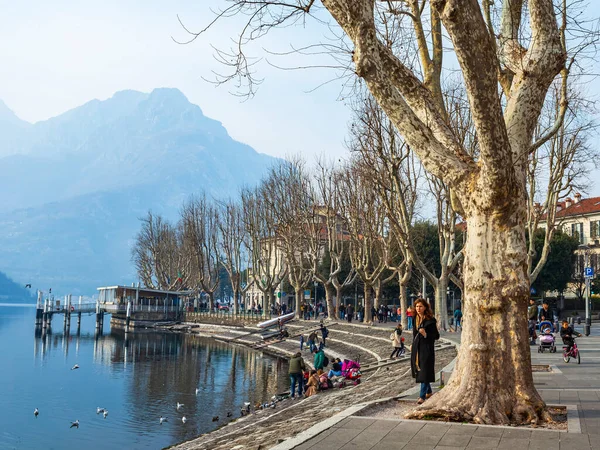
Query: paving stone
{"type": "Point", "coordinates": [462, 429]}
{"type": "Point", "coordinates": [389, 446]}
{"type": "Point", "coordinates": [483, 442]}
{"type": "Point", "coordinates": [489, 432]}
{"type": "Point", "coordinates": [425, 439]}
{"type": "Point", "coordinates": [513, 443]}
{"type": "Point", "coordinates": [544, 435]}
{"type": "Point", "coordinates": [435, 428]}
{"type": "Point", "coordinates": [357, 423]}
{"type": "Point", "coordinates": [383, 425]}
{"type": "Point", "coordinates": [544, 444]}
{"type": "Point", "coordinates": [574, 441]}
{"type": "Point", "coordinates": [456, 440]}
{"type": "Point", "coordinates": [516, 433]}
{"type": "Point", "coordinates": [445, 447]}
{"type": "Point", "coordinates": [409, 427]}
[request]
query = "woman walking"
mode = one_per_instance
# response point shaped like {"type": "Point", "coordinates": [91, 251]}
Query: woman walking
{"type": "Point", "coordinates": [397, 342]}
{"type": "Point", "coordinates": [422, 358]}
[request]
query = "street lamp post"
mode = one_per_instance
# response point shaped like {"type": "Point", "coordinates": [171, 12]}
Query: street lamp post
{"type": "Point", "coordinates": [588, 321]}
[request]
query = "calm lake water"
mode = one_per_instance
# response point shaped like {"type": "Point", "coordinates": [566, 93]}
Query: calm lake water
{"type": "Point", "coordinates": [137, 380]}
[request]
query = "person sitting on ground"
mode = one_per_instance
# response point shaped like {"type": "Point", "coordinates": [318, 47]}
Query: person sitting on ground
{"type": "Point", "coordinates": [312, 384]}
{"type": "Point", "coordinates": [566, 333]}
{"type": "Point", "coordinates": [336, 369]}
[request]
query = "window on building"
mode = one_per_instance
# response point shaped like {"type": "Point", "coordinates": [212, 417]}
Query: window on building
{"type": "Point", "coordinates": [577, 231]}
{"type": "Point", "coordinates": [594, 229]}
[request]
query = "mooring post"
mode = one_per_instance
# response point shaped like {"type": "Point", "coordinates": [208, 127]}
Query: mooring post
{"type": "Point", "coordinates": [45, 315]}
{"type": "Point", "coordinates": [39, 311]}
{"type": "Point", "coordinates": [98, 324]}
{"type": "Point", "coordinates": [69, 307]}
{"type": "Point", "coordinates": [128, 317]}
{"type": "Point", "coordinates": [79, 316]}
{"type": "Point", "coordinates": [66, 309]}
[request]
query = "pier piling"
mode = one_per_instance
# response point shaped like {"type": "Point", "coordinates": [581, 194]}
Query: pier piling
{"type": "Point", "coordinates": [39, 310]}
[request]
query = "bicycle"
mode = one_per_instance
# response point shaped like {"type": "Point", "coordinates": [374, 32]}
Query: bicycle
{"type": "Point", "coordinates": [572, 353]}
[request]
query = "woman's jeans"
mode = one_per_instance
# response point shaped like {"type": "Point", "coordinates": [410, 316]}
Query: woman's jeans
{"type": "Point", "coordinates": [410, 322]}
{"type": "Point", "coordinates": [296, 378]}
{"type": "Point", "coordinates": [425, 389]}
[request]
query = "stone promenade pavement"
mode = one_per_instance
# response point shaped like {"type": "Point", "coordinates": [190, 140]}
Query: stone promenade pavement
{"type": "Point", "coordinates": [577, 386]}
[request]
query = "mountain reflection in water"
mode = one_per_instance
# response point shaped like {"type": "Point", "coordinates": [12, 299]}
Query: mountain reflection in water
{"type": "Point", "coordinates": [137, 378]}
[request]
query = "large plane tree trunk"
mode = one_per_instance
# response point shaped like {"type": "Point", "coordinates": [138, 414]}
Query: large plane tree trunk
{"type": "Point", "coordinates": [492, 380]}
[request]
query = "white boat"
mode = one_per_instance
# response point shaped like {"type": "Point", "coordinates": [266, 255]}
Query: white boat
{"type": "Point", "coordinates": [275, 320]}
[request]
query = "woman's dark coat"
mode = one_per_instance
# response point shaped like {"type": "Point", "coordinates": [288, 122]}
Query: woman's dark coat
{"type": "Point", "coordinates": [424, 349]}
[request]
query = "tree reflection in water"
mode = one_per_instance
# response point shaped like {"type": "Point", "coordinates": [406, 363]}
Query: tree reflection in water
{"type": "Point", "coordinates": [164, 369]}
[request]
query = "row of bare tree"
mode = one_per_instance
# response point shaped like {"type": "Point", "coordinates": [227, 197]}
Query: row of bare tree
{"type": "Point", "coordinates": [362, 209]}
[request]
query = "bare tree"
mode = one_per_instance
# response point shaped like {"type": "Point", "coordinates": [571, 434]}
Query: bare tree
{"type": "Point", "coordinates": [366, 219]}
{"type": "Point", "coordinates": [507, 73]}
{"type": "Point", "coordinates": [158, 255]}
{"type": "Point", "coordinates": [557, 166]}
{"type": "Point", "coordinates": [268, 268]}
{"type": "Point", "coordinates": [288, 194]}
{"type": "Point", "coordinates": [331, 238]}
{"type": "Point", "coordinates": [234, 253]}
{"type": "Point", "coordinates": [200, 219]}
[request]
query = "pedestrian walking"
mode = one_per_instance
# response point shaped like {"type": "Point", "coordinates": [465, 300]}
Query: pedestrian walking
{"type": "Point", "coordinates": [422, 360]}
{"type": "Point", "coordinates": [409, 317]}
{"type": "Point", "coordinates": [397, 342]}
{"type": "Point", "coordinates": [296, 369]}
{"type": "Point", "coordinates": [458, 318]}
{"type": "Point", "coordinates": [349, 312]}
{"type": "Point", "coordinates": [301, 342]}
{"type": "Point", "coordinates": [312, 341]}
{"type": "Point", "coordinates": [324, 332]}
{"type": "Point", "coordinates": [532, 312]}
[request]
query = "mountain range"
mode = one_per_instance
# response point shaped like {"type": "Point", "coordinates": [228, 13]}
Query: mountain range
{"type": "Point", "coordinates": [74, 186]}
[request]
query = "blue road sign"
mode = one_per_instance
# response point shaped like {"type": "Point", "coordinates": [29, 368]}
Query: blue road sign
{"type": "Point", "coordinates": [589, 272]}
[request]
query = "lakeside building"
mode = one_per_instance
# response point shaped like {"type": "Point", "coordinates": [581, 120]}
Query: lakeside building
{"type": "Point", "coordinates": [146, 304]}
{"type": "Point", "coordinates": [322, 223]}
{"type": "Point", "coordinates": [580, 217]}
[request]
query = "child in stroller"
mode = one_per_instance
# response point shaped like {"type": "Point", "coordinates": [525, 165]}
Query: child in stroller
{"type": "Point", "coordinates": [547, 341]}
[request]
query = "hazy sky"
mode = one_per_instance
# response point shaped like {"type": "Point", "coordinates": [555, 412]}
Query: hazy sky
{"type": "Point", "coordinates": [59, 54]}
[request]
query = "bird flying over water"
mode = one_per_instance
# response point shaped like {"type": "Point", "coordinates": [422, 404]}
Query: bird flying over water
{"type": "Point", "coordinates": [75, 367]}
{"type": "Point", "coordinates": [215, 419]}
{"type": "Point", "coordinates": [229, 414]}
{"type": "Point", "coordinates": [163, 419]}
{"type": "Point", "coordinates": [75, 424]}
{"type": "Point", "coordinates": [179, 405]}
{"type": "Point", "coordinates": [183, 419]}
{"type": "Point", "coordinates": [36, 412]}
{"type": "Point", "coordinates": [197, 390]}
{"type": "Point", "coordinates": [99, 410]}
{"type": "Point", "coordinates": [28, 285]}
{"type": "Point", "coordinates": [105, 413]}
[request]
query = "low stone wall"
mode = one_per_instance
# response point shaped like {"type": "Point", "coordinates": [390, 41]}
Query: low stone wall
{"type": "Point", "coordinates": [237, 320]}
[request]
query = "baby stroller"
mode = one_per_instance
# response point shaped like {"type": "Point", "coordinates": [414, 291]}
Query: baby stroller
{"type": "Point", "coordinates": [547, 341]}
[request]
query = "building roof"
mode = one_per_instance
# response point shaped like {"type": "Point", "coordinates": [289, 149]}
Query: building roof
{"type": "Point", "coordinates": [582, 207]}
{"type": "Point", "coordinates": [133, 288]}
